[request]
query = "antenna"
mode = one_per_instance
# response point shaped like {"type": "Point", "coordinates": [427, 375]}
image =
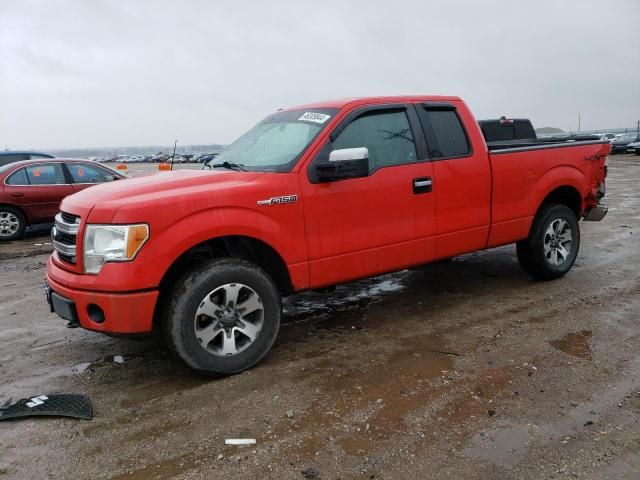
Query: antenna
{"type": "Point", "coordinates": [174, 154]}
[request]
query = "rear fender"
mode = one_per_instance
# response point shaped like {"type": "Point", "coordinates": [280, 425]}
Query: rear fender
{"type": "Point", "coordinates": [562, 176]}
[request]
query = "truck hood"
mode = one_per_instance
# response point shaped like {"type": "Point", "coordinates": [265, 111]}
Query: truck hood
{"type": "Point", "coordinates": [171, 190]}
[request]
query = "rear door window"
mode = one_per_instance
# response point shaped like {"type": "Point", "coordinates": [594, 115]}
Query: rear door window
{"type": "Point", "coordinates": [45, 174]}
{"type": "Point", "coordinates": [448, 133]}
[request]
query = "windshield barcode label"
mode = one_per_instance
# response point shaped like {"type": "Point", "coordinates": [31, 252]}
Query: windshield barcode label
{"type": "Point", "coordinates": [315, 117]}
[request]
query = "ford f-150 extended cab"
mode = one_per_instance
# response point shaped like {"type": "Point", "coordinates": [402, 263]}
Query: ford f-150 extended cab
{"type": "Point", "coordinates": [311, 197]}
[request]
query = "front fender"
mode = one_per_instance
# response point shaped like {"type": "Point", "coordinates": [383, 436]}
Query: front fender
{"type": "Point", "coordinates": [225, 221]}
{"type": "Point", "coordinates": [281, 229]}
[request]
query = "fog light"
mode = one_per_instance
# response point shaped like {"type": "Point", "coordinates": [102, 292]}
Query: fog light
{"type": "Point", "coordinates": [95, 313]}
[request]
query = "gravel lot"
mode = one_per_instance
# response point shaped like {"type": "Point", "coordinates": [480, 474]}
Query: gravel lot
{"type": "Point", "coordinates": [465, 369]}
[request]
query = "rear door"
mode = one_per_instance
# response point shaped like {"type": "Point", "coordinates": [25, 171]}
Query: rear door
{"type": "Point", "coordinates": [462, 178]}
{"type": "Point", "coordinates": [38, 189]}
{"type": "Point", "coordinates": [363, 226]}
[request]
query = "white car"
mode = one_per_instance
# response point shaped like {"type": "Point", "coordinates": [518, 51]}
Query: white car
{"type": "Point", "coordinates": [606, 136]}
{"type": "Point", "coordinates": [634, 148]}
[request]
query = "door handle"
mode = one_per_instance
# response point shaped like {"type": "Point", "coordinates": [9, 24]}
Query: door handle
{"type": "Point", "coordinates": [16, 194]}
{"type": "Point", "coordinates": [422, 185]}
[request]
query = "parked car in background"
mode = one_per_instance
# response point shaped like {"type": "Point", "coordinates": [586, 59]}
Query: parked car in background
{"type": "Point", "coordinates": [505, 129]}
{"type": "Point", "coordinates": [606, 136]}
{"type": "Point", "coordinates": [204, 157]}
{"type": "Point", "coordinates": [634, 148]}
{"type": "Point", "coordinates": [31, 190]}
{"type": "Point", "coordinates": [10, 156]}
{"type": "Point", "coordinates": [620, 143]}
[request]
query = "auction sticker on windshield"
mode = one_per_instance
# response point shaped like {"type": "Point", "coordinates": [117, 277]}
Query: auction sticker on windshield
{"type": "Point", "coordinates": [315, 117]}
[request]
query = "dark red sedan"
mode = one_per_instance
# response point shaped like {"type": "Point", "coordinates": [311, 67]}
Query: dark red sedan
{"type": "Point", "coordinates": [31, 190]}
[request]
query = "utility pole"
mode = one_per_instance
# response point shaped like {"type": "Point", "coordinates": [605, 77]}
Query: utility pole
{"type": "Point", "coordinates": [579, 121]}
{"type": "Point", "coordinates": [174, 154]}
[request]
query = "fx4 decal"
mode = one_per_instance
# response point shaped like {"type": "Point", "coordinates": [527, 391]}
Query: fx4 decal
{"type": "Point", "coordinates": [279, 200]}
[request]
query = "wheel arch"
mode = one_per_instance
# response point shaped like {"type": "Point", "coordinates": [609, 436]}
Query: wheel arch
{"type": "Point", "coordinates": [230, 246]}
{"type": "Point", "coordinates": [563, 185]}
{"type": "Point", "coordinates": [567, 195]}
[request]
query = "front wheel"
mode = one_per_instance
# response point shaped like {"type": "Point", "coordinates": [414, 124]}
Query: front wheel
{"type": "Point", "coordinates": [552, 246]}
{"type": "Point", "coordinates": [223, 317]}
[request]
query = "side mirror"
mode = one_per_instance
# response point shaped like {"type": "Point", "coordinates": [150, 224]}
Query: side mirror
{"type": "Point", "coordinates": [343, 164]}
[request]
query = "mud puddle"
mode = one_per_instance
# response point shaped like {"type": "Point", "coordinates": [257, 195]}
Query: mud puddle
{"type": "Point", "coordinates": [574, 344]}
{"type": "Point", "coordinates": [354, 296]}
{"type": "Point", "coordinates": [509, 442]}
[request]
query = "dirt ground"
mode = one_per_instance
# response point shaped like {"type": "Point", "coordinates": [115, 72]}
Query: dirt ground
{"type": "Point", "coordinates": [465, 369]}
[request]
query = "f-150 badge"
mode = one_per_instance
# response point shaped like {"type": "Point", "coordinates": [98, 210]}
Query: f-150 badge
{"type": "Point", "coordinates": [279, 200]}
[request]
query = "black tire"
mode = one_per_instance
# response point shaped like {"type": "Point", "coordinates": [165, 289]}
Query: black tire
{"type": "Point", "coordinates": [189, 294]}
{"type": "Point", "coordinates": [531, 252]}
{"type": "Point", "coordinates": [6, 213]}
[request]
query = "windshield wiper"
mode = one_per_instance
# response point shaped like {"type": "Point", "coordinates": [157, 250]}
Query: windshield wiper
{"type": "Point", "coordinates": [230, 165]}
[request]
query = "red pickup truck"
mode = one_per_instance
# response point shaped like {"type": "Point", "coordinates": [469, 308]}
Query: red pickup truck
{"type": "Point", "coordinates": [311, 197]}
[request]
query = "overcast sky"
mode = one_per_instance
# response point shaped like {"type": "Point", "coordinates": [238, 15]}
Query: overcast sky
{"type": "Point", "coordinates": [113, 73]}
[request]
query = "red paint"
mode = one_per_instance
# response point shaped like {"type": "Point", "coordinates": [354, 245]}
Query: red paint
{"type": "Point", "coordinates": [126, 313]}
{"type": "Point", "coordinates": [335, 232]}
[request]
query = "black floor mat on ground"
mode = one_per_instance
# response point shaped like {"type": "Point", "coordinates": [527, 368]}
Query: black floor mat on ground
{"type": "Point", "coordinates": [75, 406]}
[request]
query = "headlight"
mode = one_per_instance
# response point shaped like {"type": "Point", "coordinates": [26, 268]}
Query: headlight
{"type": "Point", "coordinates": [112, 243]}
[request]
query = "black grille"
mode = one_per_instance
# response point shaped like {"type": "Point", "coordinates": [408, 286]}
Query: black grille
{"type": "Point", "coordinates": [66, 258]}
{"type": "Point", "coordinates": [69, 218]}
{"type": "Point", "coordinates": [65, 238]}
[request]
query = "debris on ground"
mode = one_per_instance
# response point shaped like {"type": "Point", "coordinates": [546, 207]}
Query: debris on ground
{"type": "Point", "coordinates": [240, 441]}
{"type": "Point", "coordinates": [310, 473]}
{"type": "Point", "coordinates": [63, 405]}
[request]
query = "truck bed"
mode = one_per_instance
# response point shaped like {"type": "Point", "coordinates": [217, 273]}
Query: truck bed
{"type": "Point", "coordinates": [534, 144]}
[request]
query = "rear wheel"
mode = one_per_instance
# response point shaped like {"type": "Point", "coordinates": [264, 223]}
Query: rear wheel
{"type": "Point", "coordinates": [223, 317]}
{"type": "Point", "coordinates": [553, 244]}
{"type": "Point", "coordinates": [12, 223]}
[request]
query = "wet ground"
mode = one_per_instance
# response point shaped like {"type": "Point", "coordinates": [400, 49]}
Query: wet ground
{"type": "Point", "coordinates": [464, 369]}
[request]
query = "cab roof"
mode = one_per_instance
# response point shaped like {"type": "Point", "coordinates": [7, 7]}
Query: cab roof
{"type": "Point", "coordinates": [358, 101]}
{"type": "Point", "coordinates": [24, 152]}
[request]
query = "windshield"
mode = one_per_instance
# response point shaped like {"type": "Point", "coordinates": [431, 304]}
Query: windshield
{"type": "Point", "coordinates": [276, 143]}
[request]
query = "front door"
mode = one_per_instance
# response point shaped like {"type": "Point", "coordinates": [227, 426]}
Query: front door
{"type": "Point", "coordinates": [363, 226]}
{"type": "Point", "coordinates": [85, 174]}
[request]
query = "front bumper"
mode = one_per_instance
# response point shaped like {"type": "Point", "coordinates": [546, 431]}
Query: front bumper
{"type": "Point", "coordinates": [119, 313]}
